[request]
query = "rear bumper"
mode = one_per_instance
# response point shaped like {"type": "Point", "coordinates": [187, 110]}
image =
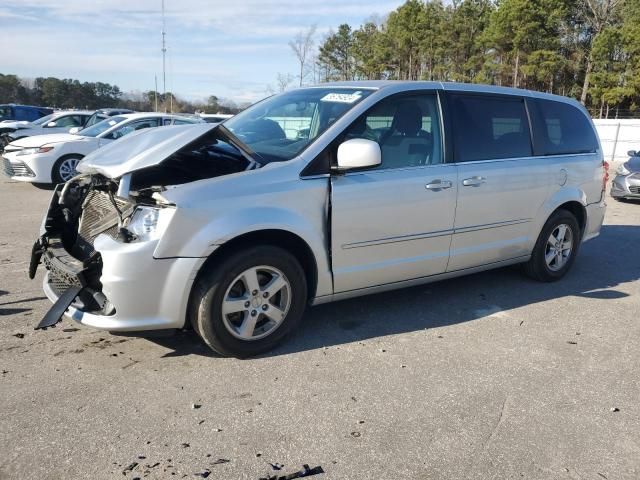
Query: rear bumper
{"type": "Point", "coordinates": [147, 293]}
{"type": "Point", "coordinates": [595, 217]}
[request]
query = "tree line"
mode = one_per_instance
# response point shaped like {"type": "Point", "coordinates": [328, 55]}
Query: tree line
{"type": "Point", "coordinates": [69, 93]}
{"type": "Point", "coordinates": [586, 49]}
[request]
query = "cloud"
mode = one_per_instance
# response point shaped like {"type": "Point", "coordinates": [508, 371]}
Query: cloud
{"type": "Point", "coordinates": [233, 47]}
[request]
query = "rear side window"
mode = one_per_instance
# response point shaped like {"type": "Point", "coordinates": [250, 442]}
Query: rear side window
{"type": "Point", "coordinates": [489, 127]}
{"type": "Point", "coordinates": [562, 129]}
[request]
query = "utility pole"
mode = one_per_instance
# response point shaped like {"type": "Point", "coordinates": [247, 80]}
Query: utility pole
{"type": "Point", "coordinates": [164, 54]}
{"type": "Point", "coordinates": [155, 92]}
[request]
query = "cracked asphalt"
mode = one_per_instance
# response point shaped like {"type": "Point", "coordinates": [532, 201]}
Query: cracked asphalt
{"type": "Point", "coordinates": [488, 376]}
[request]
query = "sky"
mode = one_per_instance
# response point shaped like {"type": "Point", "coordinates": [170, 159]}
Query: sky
{"type": "Point", "coordinates": [232, 49]}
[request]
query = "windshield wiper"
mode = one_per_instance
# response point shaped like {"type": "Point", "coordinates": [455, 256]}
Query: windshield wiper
{"type": "Point", "coordinates": [244, 149]}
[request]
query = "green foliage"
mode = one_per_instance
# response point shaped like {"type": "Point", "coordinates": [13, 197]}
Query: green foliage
{"type": "Point", "coordinates": [68, 93]}
{"type": "Point", "coordinates": [589, 49]}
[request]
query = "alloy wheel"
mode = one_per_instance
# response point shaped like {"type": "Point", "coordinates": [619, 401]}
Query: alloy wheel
{"type": "Point", "coordinates": [559, 247]}
{"type": "Point", "coordinates": [67, 169]}
{"type": "Point", "coordinates": [256, 303]}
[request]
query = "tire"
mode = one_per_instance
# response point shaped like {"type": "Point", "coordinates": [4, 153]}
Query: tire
{"type": "Point", "coordinates": [538, 267]}
{"type": "Point", "coordinates": [60, 169]}
{"type": "Point", "coordinates": [227, 284]}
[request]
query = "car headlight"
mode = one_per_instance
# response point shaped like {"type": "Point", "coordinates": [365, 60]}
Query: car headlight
{"type": "Point", "coordinates": [33, 151]}
{"type": "Point", "coordinates": [149, 223]}
{"type": "Point", "coordinates": [622, 170]}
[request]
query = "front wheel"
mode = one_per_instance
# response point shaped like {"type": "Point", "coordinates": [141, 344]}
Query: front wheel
{"type": "Point", "coordinates": [556, 248]}
{"type": "Point", "coordinates": [65, 169]}
{"type": "Point", "coordinates": [249, 302]}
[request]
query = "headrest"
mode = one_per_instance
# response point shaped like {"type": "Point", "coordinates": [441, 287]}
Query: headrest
{"type": "Point", "coordinates": [407, 119]}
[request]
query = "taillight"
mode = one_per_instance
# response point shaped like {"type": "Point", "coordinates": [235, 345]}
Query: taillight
{"type": "Point", "coordinates": [605, 176]}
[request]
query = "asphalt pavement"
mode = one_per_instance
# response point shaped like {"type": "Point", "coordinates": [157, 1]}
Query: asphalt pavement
{"type": "Point", "coordinates": [491, 376]}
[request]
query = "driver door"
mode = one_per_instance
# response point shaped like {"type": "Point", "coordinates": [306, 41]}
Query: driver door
{"type": "Point", "coordinates": [394, 222]}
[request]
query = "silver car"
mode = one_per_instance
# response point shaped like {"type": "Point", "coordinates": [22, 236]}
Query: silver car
{"type": "Point", "coordinates": [315, 195]}
{"type": "Point", "coordinates": [626, 184]}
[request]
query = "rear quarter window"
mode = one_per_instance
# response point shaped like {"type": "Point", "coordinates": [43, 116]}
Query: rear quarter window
{"type": "Point", "coordinates": [561, 129]}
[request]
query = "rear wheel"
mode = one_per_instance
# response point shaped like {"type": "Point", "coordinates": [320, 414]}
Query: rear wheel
{"type": "Point", "coordinates": [556, 248]}
{"type": "Point", "coordinates": [248, 303]}
{"type": "Point", "coordinates": [65, 168]}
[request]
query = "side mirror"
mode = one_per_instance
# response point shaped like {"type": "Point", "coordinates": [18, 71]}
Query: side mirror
{"type": "Point", "coordinates": [51, 124]}
{"type": "Point", "coordinates": [632, 153]}
{"type": "Point", "coordinates": [74, 130]}
{"type": "Point", "coordinates": [358, 153]}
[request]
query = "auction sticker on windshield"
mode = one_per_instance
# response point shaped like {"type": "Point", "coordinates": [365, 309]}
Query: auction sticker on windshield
{"type": "Point", "coordinates": [342, 97]}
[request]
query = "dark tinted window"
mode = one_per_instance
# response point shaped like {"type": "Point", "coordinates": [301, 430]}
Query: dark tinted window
{"type": "Point", "coordinates": [489, 127]}
{"type": "Point", "coordinates": [407, 128]}
{"type": "Point", "coordinates": [562, 129]}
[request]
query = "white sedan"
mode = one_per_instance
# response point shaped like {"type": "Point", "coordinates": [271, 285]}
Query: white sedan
{"type": "Point", "coordinates": [57, 122]}
{"type": "Point", "coordinates": [53, 158]}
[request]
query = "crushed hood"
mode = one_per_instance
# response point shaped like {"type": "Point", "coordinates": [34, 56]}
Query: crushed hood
{"type": "Point", "coordinates": [141, 149]}
{"type": "Point", "coordinates": [15, 124]}
{"type": "Point", "coordinates": [39, 140]}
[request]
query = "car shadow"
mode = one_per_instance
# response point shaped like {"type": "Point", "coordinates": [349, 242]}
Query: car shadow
{"type": "Point", "coordinates": [602, 265]}
{"type": "Point", "coordinates": [14, 310]}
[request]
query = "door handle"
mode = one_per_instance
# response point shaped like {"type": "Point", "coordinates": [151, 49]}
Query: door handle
{"type": "Point", "coordinates": [473, 181]}
{"type": "Point", "coordinates": [438, 185]}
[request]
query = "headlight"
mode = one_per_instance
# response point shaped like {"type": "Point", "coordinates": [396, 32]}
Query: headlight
{"type": "Point", "coordinates": [149, 223]}
{"type": "Point", "coordinates": [622, 170]}
{"type": "Point", "coordinates": [33, 151]}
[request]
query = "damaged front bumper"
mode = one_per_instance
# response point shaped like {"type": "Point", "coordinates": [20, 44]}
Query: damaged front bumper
{"type": "Point", "coordinates": [145, 293]}
{"type": "Point", "coordinates": [98, 279]}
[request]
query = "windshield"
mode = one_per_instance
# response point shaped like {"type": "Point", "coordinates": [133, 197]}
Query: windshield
{"type": "Point", "coordinates": [101, 127]}
{"type": "Point", "coordinates": [280, 127]}
{"type": "Point", "coordinates": [43, 120]}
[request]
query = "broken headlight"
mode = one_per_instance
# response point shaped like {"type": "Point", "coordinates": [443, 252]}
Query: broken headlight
{"type": "Point", "coordinates": [149, 223]}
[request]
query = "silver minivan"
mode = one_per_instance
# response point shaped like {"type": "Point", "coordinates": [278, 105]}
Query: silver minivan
{"type": "Point", "coordinates": [315, 195]}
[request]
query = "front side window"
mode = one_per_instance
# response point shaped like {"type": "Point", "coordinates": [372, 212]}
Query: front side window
{"type": "Point", "coordinates": [101, 127]}
{"type": "Point", "coordinates": [407, 128]}
{"type": "Point", "coordinates": [69, 121]}
{"type": "Point", "coordinates": [280, 127]}
{"type": "Point", "coordinates": [44, 120]}
{"type": "Point", "coordinates": [489, 127]}
{"type": "Point", "coordinates": [178, 121]}
{"type": "Point", "coordinates": [563, 129]}
{"type": "Point", "coordinates": [132, 127]}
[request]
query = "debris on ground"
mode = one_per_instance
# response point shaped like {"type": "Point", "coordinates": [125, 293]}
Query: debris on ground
{"type": "Point", "coordinates": [18, 335]}
{"type": "Point", "coordinates": [129, 468]}
{"type": "Point", "coordinates": [220, 461]}
{"type": "Point", "coordinates": [305, 472]}
{"type": "Point", "coordinates": [614, 409]}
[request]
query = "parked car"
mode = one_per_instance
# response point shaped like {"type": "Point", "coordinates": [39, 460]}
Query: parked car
{"type": "Point", "coordinates": [53, 158]}
{"type": "Point", "coordinates": [215, 117]}
{"type": "Point", "coordinates": [101, 114]}
{"type": "Point", "coordinates": [27, 113]}
{"type": "Point", "coordinates": [58, 122]}
{"type": "Point", "coordinates": [235, 228]}
{"type": "Point", "coordinates": [626, 184]}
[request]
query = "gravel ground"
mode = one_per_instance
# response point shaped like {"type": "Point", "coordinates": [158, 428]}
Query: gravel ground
{"type": "Point", "coordinates": [488, 376]}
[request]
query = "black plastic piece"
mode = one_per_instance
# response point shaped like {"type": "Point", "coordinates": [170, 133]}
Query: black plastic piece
{"type": "Point", "coordinates": [54, 315]}
{"type": "Point", "coordinates": [36, 254]}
